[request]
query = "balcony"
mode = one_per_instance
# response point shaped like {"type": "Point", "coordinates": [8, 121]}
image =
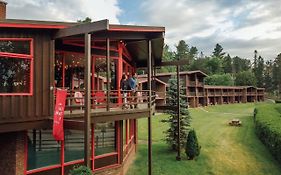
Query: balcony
{"type": "Point", "coordinates": [190, 93]}
{"type": "Point", "coordinates": [200, 93]}
{"type": "Point", "coordinates": [201, 84]}
{"type": "Point", "coordinates": [192, 83]}
{"type": "Point", "coordinates": [114, 107]}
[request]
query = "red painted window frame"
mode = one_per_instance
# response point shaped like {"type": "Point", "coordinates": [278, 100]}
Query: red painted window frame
{"type": "Point", "coordinates": [21, 56]}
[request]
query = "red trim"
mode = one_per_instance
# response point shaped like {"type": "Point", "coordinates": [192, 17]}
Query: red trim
{"type": "Point", "coordinates": [73, 162]}
{"type": "Point", "coordinates": [106, 155]}
{"type": "Point", "coordinates": [33, 26]}
{"type": "Point", "coordinates": [21, 56]}
{"type": "Point", "coordinates": [107, 167]}
{"type": "Point", "coordinates": [117, 123]}
{"type": "Point", "coordinates": [43, 169]}
{"type": "Point", "coordinates": [25, 153]}
{"type": "Point", "coordinates": [63, 70]}
{"type": "Point", "coordinates": [93, 147]}
{"type": "Point", "coordinates": [62, 157]}
{"type": "Point", "coordinates": [119, 72]}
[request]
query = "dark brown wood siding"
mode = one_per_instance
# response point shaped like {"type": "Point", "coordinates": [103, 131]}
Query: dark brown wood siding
{"type": "Point", "coordinates": [14, 109]}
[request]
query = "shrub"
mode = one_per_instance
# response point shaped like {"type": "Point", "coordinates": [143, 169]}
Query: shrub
{"type": "Point", "coordinates": [268, 128]}
{"type": "Point", "coordinates": [80, 170]}
{"type": "Point", "coordinates": [192, 148]}
{"type": "Point", "coordinates": [277, 101]}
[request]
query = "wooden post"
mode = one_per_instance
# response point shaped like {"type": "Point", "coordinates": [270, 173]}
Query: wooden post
{"type": "Point", "coordinates": [178, 110]}
{"type": "Point", "coordinates": [87, 104]}
{"type": "Point", "coordinates": [150, 110]}
{"type": "Point", "coordinates": [108, 73]}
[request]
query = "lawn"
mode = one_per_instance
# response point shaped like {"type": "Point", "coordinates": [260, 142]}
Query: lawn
{"type": "Point", "coordinates": [225, 149]}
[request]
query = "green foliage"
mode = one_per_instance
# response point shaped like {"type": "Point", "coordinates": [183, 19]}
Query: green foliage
{"type": "Point", "coordinates": [192, 148]}
{"type": "Point", "coordinates": [245, 78]}
{"type": "Point", "coordinates": [182, 52]}
{"type": "Point", "coordinates": [218, 51]}
{"type": "Point", "coordinates": [168, 55]}
{"type": "Point", "coordinates": [214, 65]}
{"type": "Point", "coordinates": [86, 20]}
{"type": "Point", "coordinates": [172, 131]}
{"type": "Point", "coordinates": [219, 79]}
{"type": "Point", "coordinates": [268, 128]}
{"type": "Point", "coordinates": [240, 64]}
{"type": "Point", "coordinates": [80, 170]}
{"type": "Point", "coordinates": [227, 64]}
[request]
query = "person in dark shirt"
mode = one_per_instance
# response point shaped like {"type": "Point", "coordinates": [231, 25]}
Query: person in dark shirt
{"type": "Point", "coordinates": [124, 85]}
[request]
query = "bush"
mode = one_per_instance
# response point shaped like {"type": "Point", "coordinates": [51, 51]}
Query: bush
{"type": "Point", "coordinates": [277, 101]}
{"type": "Point", "coordinates": [80, 170]}
{"type": "Point", "coordinates": [268, 128]}
{"type": "Point", "coordinates": [192, 148]}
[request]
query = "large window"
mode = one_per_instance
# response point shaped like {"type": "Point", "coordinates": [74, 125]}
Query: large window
{"type": "Point", "coordinates": [43, 150]}
{"type": "Point", "coordinates": [16, 66]}
{"type": "Point", "coordinates": [105, 138]}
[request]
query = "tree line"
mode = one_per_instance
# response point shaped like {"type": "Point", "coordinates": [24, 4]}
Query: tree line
{"type": "Point", "coordinates": [223, 69]}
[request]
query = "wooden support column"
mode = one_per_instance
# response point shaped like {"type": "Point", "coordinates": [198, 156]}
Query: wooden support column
{"type": "Point", "coordinates": [108, 73]}
{"type": "Point", "coordinates": [178, 112]}
{"type": "Point", "coordinates": [87, 105]}
{"type": "Point", "coordinates": [150, 109]}
{"type": "Point", "coordinates": [119, 71]}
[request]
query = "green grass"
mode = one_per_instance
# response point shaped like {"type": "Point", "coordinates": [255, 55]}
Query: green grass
{"type": "Point", "coordinates": [225, 149]}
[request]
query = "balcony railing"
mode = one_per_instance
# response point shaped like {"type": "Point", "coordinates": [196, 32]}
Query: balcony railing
{"type": "Point", "coordinates": [117, 101]}
{"type": "Point", "coordinates": [191, 83]}
{"type": "Point", "coordinates": [200, 93]}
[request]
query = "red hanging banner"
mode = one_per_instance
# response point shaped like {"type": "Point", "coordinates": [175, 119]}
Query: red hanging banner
{"type": "Point", "coordinates": [58, 132]}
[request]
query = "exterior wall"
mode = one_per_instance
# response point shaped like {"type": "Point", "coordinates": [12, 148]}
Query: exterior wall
{"type": "Point", "coordinates": [38, 106]}
{"type": "Point", "coordinates": [12, 153]}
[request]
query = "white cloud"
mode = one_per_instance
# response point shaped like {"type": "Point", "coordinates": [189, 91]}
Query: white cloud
{"type": "Point", "coordinates": [63, 10]}
{"type": "Point", "coordinates": [205, 23]}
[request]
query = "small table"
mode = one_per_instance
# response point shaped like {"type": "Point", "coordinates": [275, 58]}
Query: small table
{"type": "Point", "coordinates": [235, 122]}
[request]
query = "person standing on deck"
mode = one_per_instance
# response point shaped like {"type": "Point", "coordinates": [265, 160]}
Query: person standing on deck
{"type": "Point", "coordinates": [133, 85]}
{"type": "Point", "coordinates": [124, 85]}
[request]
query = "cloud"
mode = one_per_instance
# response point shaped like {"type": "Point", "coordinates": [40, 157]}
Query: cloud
{"type": "Point", "coordinates": [63, 10]}
{"type": "Point", "coordinates": [253, 24]}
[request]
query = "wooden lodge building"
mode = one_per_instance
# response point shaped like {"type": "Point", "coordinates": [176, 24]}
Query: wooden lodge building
{"type": "Point", "coordinates": [39, 57]}
{"type": "Point", "coordinates": [197, 94]}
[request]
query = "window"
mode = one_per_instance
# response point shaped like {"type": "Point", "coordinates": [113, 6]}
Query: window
{"type": "Point", "coordinates": [16, 66]}
{"type": "Point", "coordinates": [104, 138]}
{"type": "Point", "coordinates": [43, 150]}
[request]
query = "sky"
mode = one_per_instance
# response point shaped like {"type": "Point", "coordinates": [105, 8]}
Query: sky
{"type": "Point", "coordinates": [240, 26]}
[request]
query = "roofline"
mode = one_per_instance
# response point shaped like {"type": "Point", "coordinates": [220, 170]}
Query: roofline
{"type": "Point", "coordinates": [181, 73]}
{"type": "Point", "coordinates": [34, 24]}
{"type": "Point", "coordinates": [135, 28]}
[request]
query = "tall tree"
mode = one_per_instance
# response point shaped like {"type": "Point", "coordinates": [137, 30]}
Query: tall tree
{"type": "Point", "coordinates": [260, 72]}
{"type": "Point", "coordinates": [268, 77]}
{"type": "Point", "coordinates": [214, 65]}
{"type": "Point", "coordinates": [218, 51]}
{"type": "Point", "coordinates": [240, 64]}
{"type": "Point", "coordinates": [193, 52]}
{"type": "Point", "coordinates": [227, 64]}
{"type": "Point", "coordinates": [277, 75]}
{"type": "Point", "coordinates": [172, 131]}
{"type": "Point", "coordinates": [182, 52]}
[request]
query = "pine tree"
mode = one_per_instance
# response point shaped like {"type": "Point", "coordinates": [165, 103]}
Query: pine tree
{"type": "Point", "coordinates": [182, 52]}
{"type": "Point", "coordinates": [172, 132]}
{"type": "Point", "coordinates": [218, 51]}
{"type": "Point", "coordinates": [192, 148]}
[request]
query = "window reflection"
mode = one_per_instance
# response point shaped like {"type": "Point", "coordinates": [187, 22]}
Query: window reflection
{"type": "Point", "coordinates": [104, 138]}
{"type": "Point", "coordinates": [14, 75]}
